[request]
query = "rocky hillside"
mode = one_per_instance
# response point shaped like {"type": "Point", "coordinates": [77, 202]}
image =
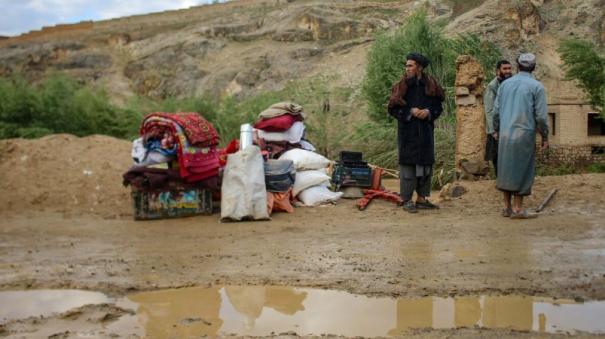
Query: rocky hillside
{"type": "Point", "coordinates": [243, 47]}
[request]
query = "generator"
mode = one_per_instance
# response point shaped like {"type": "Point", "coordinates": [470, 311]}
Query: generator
{"type": "Point", "coordinates": [351, 171]}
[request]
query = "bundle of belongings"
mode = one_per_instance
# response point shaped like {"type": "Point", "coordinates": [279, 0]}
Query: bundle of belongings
{"type": "Point", "coordinates": [243, 192]}
{"type": "Point", "coordinates": [280, 176]}
{"type": "Point", "coordinates": [176, 166]}
{"type": "Point", "coordinates": [293, 169]}
{"type": "Point", "coordinates": [281, 128]}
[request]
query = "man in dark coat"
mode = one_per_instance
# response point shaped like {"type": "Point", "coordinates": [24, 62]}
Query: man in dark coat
{"type": "Point", "coordinates": [416, 103]}
{"type": "Point", "coordinates": [504, 70]}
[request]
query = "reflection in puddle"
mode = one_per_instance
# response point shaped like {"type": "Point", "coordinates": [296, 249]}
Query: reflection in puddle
{"type": "Point", "coordinates": [24, 304]}
{"type": "Point", "coordinates": [261, 311]}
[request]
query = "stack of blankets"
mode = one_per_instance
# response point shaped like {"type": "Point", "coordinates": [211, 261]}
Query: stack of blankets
{"type": "Point", "coordinates": [280, 133]}
{"type": "Point", "coordinates": [182, 145]}
{"type": "Point", "coordinates": [281, 128]}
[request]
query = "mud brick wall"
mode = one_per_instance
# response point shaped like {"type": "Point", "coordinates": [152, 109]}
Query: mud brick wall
{"type": "Point", "coordinates": [470, 126]}
{"type": "Point", "coordinates": [569, 154]}
{"type": "Point", "coordinates": [569, 139]}
{"type": "Point", "coordinates": [571, 125]}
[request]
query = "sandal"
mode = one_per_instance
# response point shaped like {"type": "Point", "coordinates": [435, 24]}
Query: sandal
{"type": "Point", "coordinates": [523, 215]}
{"type": "Point", "coordinates": [410, 207]}
{"type": "Point", "coordinates": [426, 205]}
{"type": "Point", "coordinates": [507, 212]}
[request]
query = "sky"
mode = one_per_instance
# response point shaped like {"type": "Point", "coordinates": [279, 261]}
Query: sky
{"type": "Point", "coordinates": [20, 16]}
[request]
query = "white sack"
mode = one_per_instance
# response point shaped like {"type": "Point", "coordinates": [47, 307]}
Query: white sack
{"type": "Point", "coordinates": [243, 192]}
{"type": "Point", "coordinates": [306, 179]}
{"type": "Point", "coordinates": [292, 135]}
{"type": "Point", "coordinates": [305, 160]}
{"type": "Point", "coordinates": [318, 195]}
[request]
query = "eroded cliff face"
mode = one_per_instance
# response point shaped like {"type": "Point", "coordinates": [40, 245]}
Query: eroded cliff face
{"type": "Point", "coordinates": [244, 47]}
{"type": "Point", "coordinates": [236, 48]}
{"type": "Point", "coordinates": [537, 26]}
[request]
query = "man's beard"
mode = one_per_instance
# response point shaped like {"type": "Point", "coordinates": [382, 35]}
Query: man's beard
{"type": "Point", "coordinates": [505, 76]}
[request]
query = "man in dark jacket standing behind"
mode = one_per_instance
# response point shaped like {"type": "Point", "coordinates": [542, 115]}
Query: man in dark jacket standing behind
{"type": "Point", "coordinates": [416, 103]}
{"type": "Point", "coordinates": [504, 71]}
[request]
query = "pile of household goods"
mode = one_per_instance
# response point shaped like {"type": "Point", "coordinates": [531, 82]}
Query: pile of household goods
{"type": "Point", "coordinates": [293, 172]}
{"type": "Point", "coordinates": [272, 167]}
{"type": "Point", "coordinates": [176, 166]}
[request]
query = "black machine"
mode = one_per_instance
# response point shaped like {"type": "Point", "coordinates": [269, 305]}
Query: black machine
{"type": "Point", "coordinates": [351, 170]}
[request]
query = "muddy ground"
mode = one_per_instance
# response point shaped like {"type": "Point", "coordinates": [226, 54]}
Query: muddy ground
{"type": "Point", "coordinates": [465, 248]}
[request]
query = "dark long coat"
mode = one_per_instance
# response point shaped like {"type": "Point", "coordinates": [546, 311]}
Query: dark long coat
{"type": "Point", "coordinates": [415, 138]}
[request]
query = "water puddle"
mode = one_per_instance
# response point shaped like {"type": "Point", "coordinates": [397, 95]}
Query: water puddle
{"type": "Point", "coordinates": [25, 304]}
{"type": "Point", "coordinates": [262, 311]}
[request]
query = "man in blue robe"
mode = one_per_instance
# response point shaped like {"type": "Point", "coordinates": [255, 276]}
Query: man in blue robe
{"type": "Point", "coordinates": [520, 111]}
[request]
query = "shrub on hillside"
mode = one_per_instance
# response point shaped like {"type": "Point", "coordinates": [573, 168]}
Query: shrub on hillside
{"type": "Point", "coordinates": [62, 105]}
{"type": "Point", "coordinates": [386, 65]}
{"type": "Point", "coordinates": [386, 60]}
{"type": "Point", "coordinates": [584, 62]}
{"type": "Point", "coordinates": [59, 105]}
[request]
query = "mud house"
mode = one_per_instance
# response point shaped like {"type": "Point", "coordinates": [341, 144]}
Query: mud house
{"type": "Point", "coordinates": [577, 131]}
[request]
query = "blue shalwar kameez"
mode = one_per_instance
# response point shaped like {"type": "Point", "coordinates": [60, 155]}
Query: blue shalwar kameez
{"type": "Point", "coordinates": [520, 111]}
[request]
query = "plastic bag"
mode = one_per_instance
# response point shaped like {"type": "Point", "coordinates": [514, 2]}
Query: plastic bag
{"type": "Point", "coordinates": [243, 192]}
{"type": "Point", "coordinates": [307, 146]}
{"type": "Point", "coordinates": [279, 202]}
{"type": "Point", "coordinates": [279, 175]}
{"type": "Point", "coordinates": [138, 152]}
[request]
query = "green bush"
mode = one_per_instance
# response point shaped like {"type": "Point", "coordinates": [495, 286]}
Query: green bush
{"type": "Point", "coordinates": [18, 106]}
{"type": "Point", "coordinates": [549, 169]}
{"type": "Point", "coordinates": [378, 142]}
{"type": "Point", "coordinates": [557, 169]}
{"type": "Point", "coordinates": [386, 63]}
{"type": "Point", "coordinates": [598, 167]}
{"type": "Point", "coordinates": [326, 109]}
{"type": "Point", "coordinates": [228, 113]}
{"type": "Point", "coordinates": [60, 105]}
{"type": "Point", "coordinates": [584, 62]}
{"type": "Point", "coordinates": [386, 60]}
{"type": "Point", "coordinates": [486, 52]}
{"type": "Point", "coordinates": [445, 151]}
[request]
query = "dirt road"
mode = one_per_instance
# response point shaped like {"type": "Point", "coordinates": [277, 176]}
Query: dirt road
{"type": "Point", "coordinates": [464, 249]}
